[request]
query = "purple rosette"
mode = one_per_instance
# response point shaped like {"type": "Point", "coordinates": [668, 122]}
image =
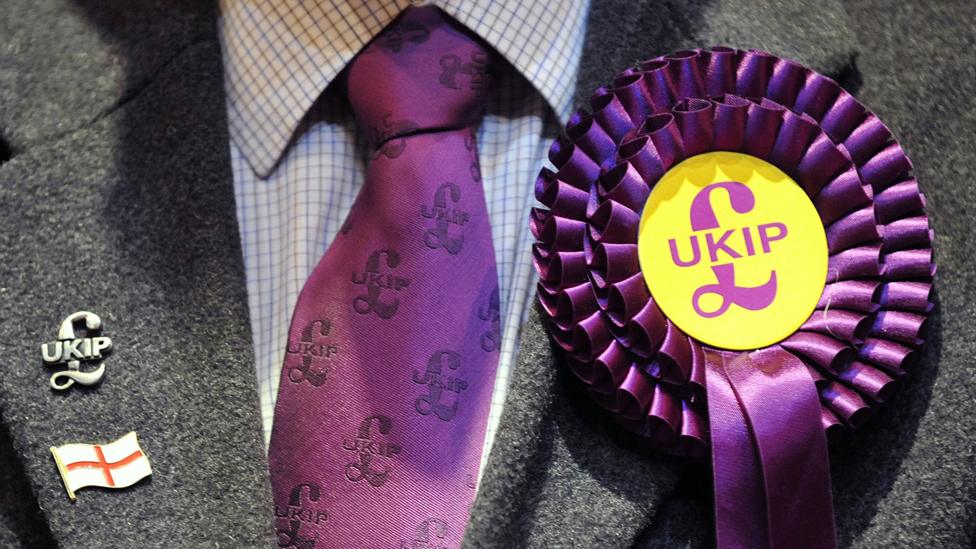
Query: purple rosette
{"type": "Point", "coordinates": [635, 361]}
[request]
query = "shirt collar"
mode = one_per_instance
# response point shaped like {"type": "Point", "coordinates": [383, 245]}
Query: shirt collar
{"type": "Point", "coordinates": [280, 55]}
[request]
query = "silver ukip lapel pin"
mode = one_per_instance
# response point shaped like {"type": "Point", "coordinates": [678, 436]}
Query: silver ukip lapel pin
{"type": "Point", "coordinates": [71, 350]}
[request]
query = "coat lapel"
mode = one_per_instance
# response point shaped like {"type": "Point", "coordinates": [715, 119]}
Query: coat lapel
{"type": "Point", "coordinates": [561, 473]}
{"type": "Point", "coordinates": [130, 214]}
{"type": "Point", "coordinates": [119, 200]}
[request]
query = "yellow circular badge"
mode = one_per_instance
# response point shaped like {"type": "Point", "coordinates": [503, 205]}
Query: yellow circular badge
{"type": "Point", "coordinates": [732, 250]}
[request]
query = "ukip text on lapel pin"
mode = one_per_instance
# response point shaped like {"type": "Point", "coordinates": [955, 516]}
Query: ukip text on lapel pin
{"type": "Point", "coordinates": [118, 464]}
{"type": "Point", "coordinates": [72, 351]}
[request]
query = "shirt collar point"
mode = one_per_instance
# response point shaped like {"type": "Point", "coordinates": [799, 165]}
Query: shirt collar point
{"type": "Point", "coordinates": [262, 160]}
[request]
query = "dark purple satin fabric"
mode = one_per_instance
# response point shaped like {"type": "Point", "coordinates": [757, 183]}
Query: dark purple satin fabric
{"type": "Point", "coordinates": [654, 378]}
{"type": "Point", "coordinates": [769, 453]}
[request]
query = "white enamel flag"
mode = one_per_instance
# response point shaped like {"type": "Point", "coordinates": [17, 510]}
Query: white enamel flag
{"type": "Point", "coordinates": [115, 465]}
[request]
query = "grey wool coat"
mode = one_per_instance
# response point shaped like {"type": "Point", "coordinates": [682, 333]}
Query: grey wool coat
{"type": "Point", "coordinates": [116, 195]}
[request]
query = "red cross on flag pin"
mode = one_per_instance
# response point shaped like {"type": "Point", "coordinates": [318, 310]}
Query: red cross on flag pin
{"type": "Point", "coordinates": [117, 464]}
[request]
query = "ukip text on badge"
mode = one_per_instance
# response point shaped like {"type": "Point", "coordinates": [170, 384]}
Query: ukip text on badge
{"type": "Point", "coordinates": [71, 350]}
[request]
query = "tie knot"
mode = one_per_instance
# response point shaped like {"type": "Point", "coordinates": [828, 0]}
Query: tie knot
{"type": "Point", "coordinates": [423, 72]}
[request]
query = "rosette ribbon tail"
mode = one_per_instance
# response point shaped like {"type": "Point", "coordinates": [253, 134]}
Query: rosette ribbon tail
{"type": "Point", "coordinates": [769, 452]}
{"type": "Point", "coordinates": [646, 306]}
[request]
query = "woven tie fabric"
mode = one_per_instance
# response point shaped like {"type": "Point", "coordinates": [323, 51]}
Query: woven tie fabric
{"type": "Point", "coordinates": [393, 345]}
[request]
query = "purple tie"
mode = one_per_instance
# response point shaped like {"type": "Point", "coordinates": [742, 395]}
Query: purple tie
{"type": "Point", "coordinates": [391, 357]}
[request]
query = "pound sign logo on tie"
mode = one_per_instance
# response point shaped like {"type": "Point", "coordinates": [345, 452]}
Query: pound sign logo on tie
{"type": "Point", "coordinates": [316, 355]}
{"type": "Point", "coordinates": [451, 66]}
{"type": "Point", "coordinates": [430, 535]}
{"type": "Point", "coordinates": [376, 281]}
{"type": "Point", "coordinates": [444, 216]}
{"type": "Point", "coordinates": [371, 449]}
{"type": "Point", "coordinates": [491, 339]}
{"type": "Point", "coordinates": [298, 514]}
{"type": "Point", "coordinates": [438, 381]}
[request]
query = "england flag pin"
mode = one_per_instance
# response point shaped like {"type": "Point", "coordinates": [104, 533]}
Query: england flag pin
{"type": "Point", "coordinates": [117, 464]}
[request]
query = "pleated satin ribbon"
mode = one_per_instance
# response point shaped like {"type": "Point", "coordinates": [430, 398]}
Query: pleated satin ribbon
{"type": "Point", "coordinates": [769, 452]}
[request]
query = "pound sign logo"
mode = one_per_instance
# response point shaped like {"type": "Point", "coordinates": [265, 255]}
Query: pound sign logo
{"type": "Point", "coordinates": [374, 454]}
{"type": "Point", "coordinates": [430, 535]}
{"type": "Point", "coordinates": [452, 65]}
{"type": "Point", "coordinates": [732, 250]}
{"type": "Point", "coordinates": [703, 219]}
{"type": "Point", "coordinates": [376, 281]}
{"type": "Point", "coordinates": [438, 379]}
{"type": "Point", "coordinates": [316, 354]}
{"type": "Point", "coordinates": [444, 216]}
{"type": "Point", "coordinates": [298, 514]}
{"type": "Point", "coordinates": [72, 351]}
{"type": "Point", "coordinates": [491, 339]}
